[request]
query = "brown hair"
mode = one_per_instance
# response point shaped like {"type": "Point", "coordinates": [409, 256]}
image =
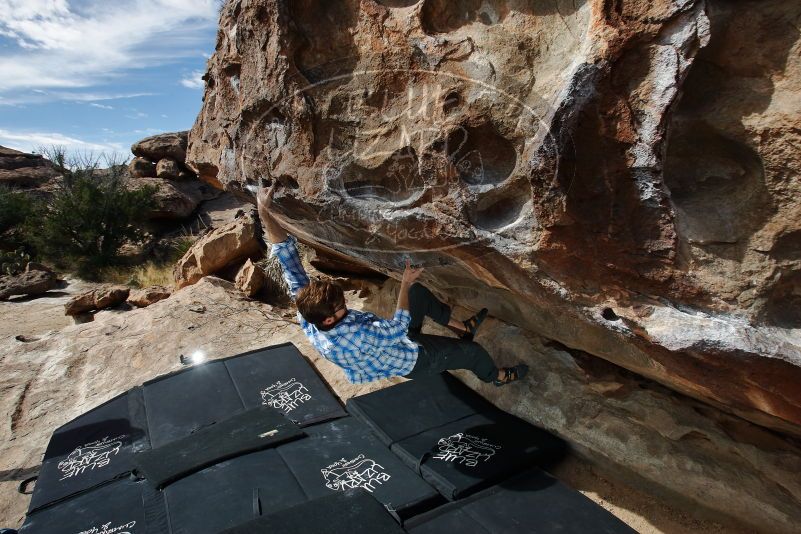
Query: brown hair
{"type": "Point", "coordinates": [319, 300]}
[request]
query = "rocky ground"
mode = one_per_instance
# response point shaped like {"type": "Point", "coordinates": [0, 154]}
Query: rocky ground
{"type": "Point", "coordinates": [64, 369]}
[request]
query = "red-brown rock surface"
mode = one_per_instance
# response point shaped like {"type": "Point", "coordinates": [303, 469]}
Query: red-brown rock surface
{"type": "Point", "coordinates": [100, 298]}
{"type": "Point", "coordinates": [220, 248]}
{"type": "Point", "coordinates": [617, 176]}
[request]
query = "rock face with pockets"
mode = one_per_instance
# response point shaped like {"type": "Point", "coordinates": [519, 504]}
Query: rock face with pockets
{"type": "Point", "coordinates": [616, 176]}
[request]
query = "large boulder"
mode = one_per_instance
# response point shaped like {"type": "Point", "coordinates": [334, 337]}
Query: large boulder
{"type": "Point", "coordinates": [166, 145]}
{"type": "Point", "coordinates": [173, 199]}
{"type": "Point", "coordinates": [617, 179]}
{"type": "Point", "coordinates": [250, 279]}
{"type": "Point", "coordinates": [35, 280]}
{"type": "Point", "coordinates": [167, 168]}
{"type": "Point", "coordinates": [218, 249]}
{"type": "Point", "coordinates": [141, 167]}
{"type": "Point", "coordinates": [23, 170]}
{"type": "Point", "coordinates": [106, 296]}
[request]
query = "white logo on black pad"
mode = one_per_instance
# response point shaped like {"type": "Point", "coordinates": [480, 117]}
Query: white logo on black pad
{"type": "Point", "coordinates": [359, 472]}
{"type": "Point", "coordinates": [90, 456]}
{"type": "Point", "coordinates": [106, 528]}
{"type": "Point", "coordinates": [465, 449]}
{"type": "Point", "coordinates": [285, 396]}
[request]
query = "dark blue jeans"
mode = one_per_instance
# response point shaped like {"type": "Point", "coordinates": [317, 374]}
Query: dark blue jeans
{"type": "Point", "coordinates": [437, 354]}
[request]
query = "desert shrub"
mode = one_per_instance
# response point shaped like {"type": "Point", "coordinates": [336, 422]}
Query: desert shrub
{"type": "Point", "coordinates": [13, 261]}
{"type": "Point", "coordinates": [151, 273]}
{"type": "Point", "coordinates": [89, 217]}
{"type": "Point", "coordinates": [15, 208]}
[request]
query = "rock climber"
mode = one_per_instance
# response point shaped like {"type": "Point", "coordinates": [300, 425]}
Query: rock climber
{"type": "Point", "coordinates": [366, 346]}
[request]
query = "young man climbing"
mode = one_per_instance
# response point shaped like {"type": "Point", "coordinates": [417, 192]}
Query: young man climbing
{"type": "Point", "coordinates": [368, 347]}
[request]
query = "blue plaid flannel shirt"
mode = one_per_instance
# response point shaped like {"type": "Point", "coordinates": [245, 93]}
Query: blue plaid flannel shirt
{"type": "Point", "coordinates": [364, 345]}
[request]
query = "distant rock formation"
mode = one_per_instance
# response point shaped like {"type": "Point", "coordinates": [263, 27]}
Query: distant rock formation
{"type": "Point", "coordinates": [159, 162]}
{"type": "Point", "coordinates": [24, 171]}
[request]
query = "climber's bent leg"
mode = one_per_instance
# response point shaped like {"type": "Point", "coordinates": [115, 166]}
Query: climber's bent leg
{"type": "Point", "coordinates": [438, 353]}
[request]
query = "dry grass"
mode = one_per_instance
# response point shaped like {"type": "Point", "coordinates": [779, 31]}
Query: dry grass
{"type": "Point", "coordinates": [149, 274]}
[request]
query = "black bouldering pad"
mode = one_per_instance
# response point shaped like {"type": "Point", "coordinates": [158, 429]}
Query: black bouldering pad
{"type": "Point", "coordinates": [231, 493]}
{"type": "Point", "coordinates": [531, 503]}
{"type": "Point", "coordinates": [182, 402]}
{"type": "Point", "coordinates": [398, 412]}
{"type": "Point", "coordinates": [351, 512]}
{"type": "Point", "coordinates": [281, 377]}
{"type": "Point", "coordinates": [457, 440]}
{"type": "Point", "coordinates": [474, 452]}
{"type": "Point", "coordinates": [241, 433]}
{"type": "Point", "coordinates": [343, 454]}
{"type": "Point", "coordinates": [92, 449]}
{"type": "Point", "coordinates": [123, 505]}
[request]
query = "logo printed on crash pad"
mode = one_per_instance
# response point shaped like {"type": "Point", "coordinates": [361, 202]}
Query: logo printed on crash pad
{"type": "Point", "coordinates": [285, 396]}
{"type": "Point", "coordinates": [465, 449]}
{"type": "Point", "coordinates": [90, 456]}
{"type": "Point", "coordinates": [359, 472]}
{"type": "Point", "coordinates": [106, 528]}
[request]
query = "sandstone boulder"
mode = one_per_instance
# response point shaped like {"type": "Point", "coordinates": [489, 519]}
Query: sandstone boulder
{"type": "Point", "coordinates": [167, 168]}
{"type": "Point", "coordinates": [618, 180]}
{"type": "Point", "coordinates": [166, 145]}
{"type": "Point", "coordinates": [35, 280]}
{"type": "Point", "coordinates": [99, 298]}
{"type": "Point", "coordinates": [218, 249]}
{"type": "Point", "coordinates": [172, 200]}
{"type": "Point", "coordinates": [144, 297]}
{"type": "Point", "coordinates": [250, 279]}
{"type": "Point", "coordinates": [141, 168]}
{"type": "Point", "coordinates": [19, 169]}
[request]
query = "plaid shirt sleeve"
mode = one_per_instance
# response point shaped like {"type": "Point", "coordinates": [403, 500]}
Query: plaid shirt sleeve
{"type": "Point", "coordinates": [388, 332]}
{"type": "Point", "coordinates": [294, 274]}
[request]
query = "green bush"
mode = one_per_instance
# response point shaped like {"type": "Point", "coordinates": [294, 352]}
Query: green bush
{"type": "Point", "coordinates": [15, 209]}
{"type": "Point", "coordinates": [89, 217]}
{"type": "Point", "coordinates": [13, 261]}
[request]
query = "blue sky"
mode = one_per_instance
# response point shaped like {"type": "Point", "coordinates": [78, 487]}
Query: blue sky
{"type": "Point", "coordinates": [95, 75]}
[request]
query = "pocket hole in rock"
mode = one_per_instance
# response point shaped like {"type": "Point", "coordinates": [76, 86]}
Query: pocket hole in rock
{"type": "Point", "coordinates": [395, 180]}
{"type": "Point", "coordinates": [480, 154]}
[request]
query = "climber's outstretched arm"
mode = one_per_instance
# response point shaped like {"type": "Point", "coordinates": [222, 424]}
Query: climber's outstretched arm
{"type": "Point", "coordinates": [264, 200]}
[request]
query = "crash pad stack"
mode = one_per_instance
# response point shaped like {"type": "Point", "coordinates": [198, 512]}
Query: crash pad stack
{"type": "Point", "coordinates": [257, 443]}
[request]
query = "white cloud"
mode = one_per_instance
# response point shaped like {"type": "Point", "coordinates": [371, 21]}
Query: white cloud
{"type": "Point", "coordinates": [39, 96]}
{"type": "Point", "coordinates": [68, 44]}
{"type": "Point", "coordinates": [193, 80]}
{"type": "Point", "coordinates": [29, 141]}
{"type": "Point", "coordinates": [101, 106]}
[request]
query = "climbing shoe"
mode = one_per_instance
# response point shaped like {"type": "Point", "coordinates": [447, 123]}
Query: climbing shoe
{"type": "Point", "coordinates": [472, 324]}
{"type": "Point", "coordinates": [512, 374]}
